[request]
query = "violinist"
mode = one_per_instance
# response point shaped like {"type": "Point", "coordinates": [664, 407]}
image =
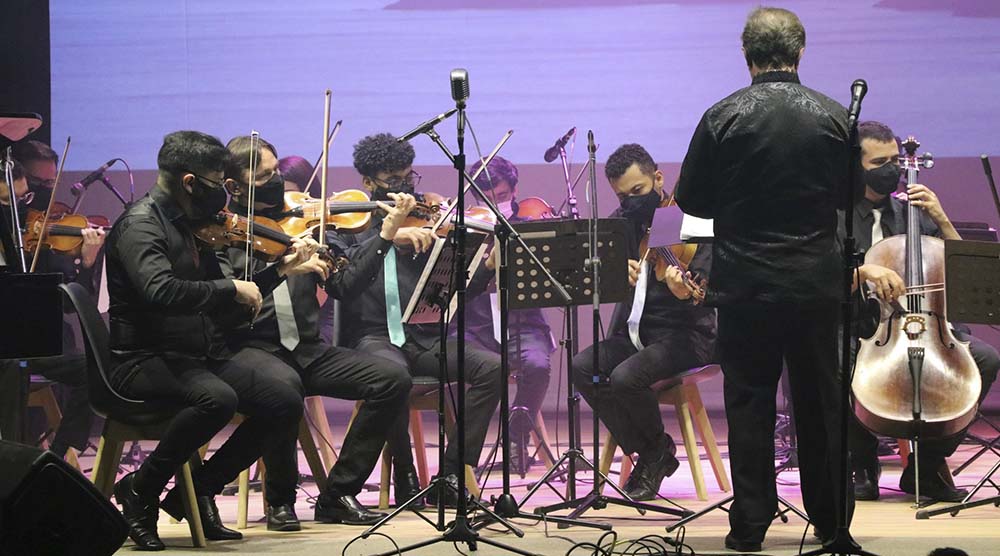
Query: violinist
{"type": "Point", "coordinates": [880, 215]}
{"type": "Point", "coordinates": [386, 166]}
{"type": "Point", "coordinates": [166, 292]}
{"type": "Point", "coordinates": [69, 370]}
{"type": "Point", "coordinates": [287, 333]}
{"type": "Point", "coordinates": [296, 171]}
{"type": "Point", "coordinates": [651, 337]}
{"type": "Point", "coordinates": [531, 342]}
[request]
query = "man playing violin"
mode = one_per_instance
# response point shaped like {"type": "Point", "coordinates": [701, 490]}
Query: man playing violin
{"type": "Point", "coordinates": [880, 215]}
{"type": "Point", "coordinates": [167, 293]}
{"type": "Point", "coordinates": [70, 369]}
{"type": "Point", "coordinates": [531, 342]}
{"type": "Point", "coordinates": [651, 338]}
{"type": "Point", "coordinates": [287, 329]}
{"type": "Point", "coordinates": [386, 166]}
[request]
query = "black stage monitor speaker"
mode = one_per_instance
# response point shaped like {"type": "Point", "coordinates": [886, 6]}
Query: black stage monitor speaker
{"type": "Point", "coordinates": [49, 508]}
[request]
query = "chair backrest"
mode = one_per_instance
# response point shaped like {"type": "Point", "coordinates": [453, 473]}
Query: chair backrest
{"type": "Point", "coordinates": [103, 397]}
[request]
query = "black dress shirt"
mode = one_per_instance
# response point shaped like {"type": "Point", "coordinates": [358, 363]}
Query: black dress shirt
{"type": "Point", "coordinates": [164, 287]}
{"type": "Point", "coordinates": [662, 311]}
{"type": "Point", "coordinates": [365, 314]}
{"type": "Point", "coordinates": [768, 163]}
{"type": "Point", "coordinates": [346, 284]}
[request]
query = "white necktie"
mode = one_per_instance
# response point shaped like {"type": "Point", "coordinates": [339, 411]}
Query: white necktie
{"type": "Point", "coordinates": [287, 328]}
{"type": "Point", "coordinates": [877, 226]}
{"type": "Point", "coordinates": [638, 302]}
{"type": "Point", "coordinates": [495, 312]}
{"type": "Point", "coordinates": [103, 299]}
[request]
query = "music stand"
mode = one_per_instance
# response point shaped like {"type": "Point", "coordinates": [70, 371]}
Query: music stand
{"type": "Point", "coordinates": [433, 301]}
{"type": "Point", "coordinates": [972, 276]}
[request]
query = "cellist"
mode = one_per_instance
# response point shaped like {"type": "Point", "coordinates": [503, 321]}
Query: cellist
{"type": "Point", "coordinates": [877, 216]}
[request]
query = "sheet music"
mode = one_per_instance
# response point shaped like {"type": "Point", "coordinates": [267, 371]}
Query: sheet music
{"type": "Point", "coordinates": [693, 228]}
{"type": "Point", "coordinates": [424, 306]}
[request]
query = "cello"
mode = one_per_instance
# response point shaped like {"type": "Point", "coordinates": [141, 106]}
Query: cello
{"type": "Point", "coordinates": [913, 379]}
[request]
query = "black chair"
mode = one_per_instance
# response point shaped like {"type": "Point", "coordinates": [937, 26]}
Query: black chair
{"type": "Point", "coordinates": [125, 419]}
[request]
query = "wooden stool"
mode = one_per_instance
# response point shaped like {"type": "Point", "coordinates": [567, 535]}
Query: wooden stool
{"type": "Point", "coordinates": [40, 395]}
{"type": "Point", "coordinates": [681, 391]}
{"type": "Point", "coordinates": [423, 397]}
{"type": "Point", "coordinates": [109, 453]}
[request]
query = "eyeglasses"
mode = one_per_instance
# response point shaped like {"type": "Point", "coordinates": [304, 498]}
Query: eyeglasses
{"type": "Point", "coordinates": [211, 183]}
{"type": "Point", "coordinates": [394, 182]}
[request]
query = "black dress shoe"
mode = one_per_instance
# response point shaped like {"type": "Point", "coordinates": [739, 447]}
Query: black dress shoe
{"type": "Point", "coordinates": [140, 513]}
{"type": "Point", "coordinates": [282, 518]}
{"type": "Point", "coordinates": [346, 510]}
{"type": "Point", "coordinates": [406, 485]}
{"type": "Point", "coordinates": [450, 494]}
{"type": "Point", "coordinates": [648, 475]}
{"type": "Point", "coordinates": [211, 522]}
{"type": "Point", "coordinates": [935, 483]}
{"type": "Point", "coordinates": [732, 543]}
{"type": "Point", "coordinates": [866, 483]}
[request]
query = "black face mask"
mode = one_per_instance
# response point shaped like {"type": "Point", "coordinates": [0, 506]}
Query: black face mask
{"type": "Point", "coordinates": [640, 208]}
{"type": "Point", "coordinates": [271, 193]}
{"type": "Point", "coordinates": [884, 179]}
{"type": "Point", "coordinates": [41, 192]}
{"type": "Point", "coordinates": [207, 201]}
{"type": "Point", "coordinates": [382, 193]}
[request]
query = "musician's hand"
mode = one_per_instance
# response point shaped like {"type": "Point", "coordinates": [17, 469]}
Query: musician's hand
{"type": "Point", "coordinates": [395, 216]}
{"type": "Point", "coordinates": [634, 267]}
{"type": "Point", "coordinates": [301, 250]}
{"type": "Point", "coordinates": [886, 284]}
{"type": "Point", "coordinates": [315, 264]}
{"type": "Point", "coordinates": [247, 293]}
{"type": "Point", "coordinates": [493, 259]}
{"type": "Point", "coordinates": [421, 239]}
{"type": "Point", "coordinates": [921, 196]}
{"type": "Point", "coordinates": [93, 240]}
{"type": "Point", "coordinates": [674, 279]}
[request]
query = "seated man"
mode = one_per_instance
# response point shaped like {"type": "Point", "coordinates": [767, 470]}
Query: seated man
{"type": "Point", "coordinates": [288, 329]}
{"type": "Point", "coordinates": [530, 337]}
{"type": "Point", "coordinates": [652, 338]}
{"type": "Point", "coordinates": [879, 215]}
{"type": "Point", "coordinates": [386, 166]}
{"type": "Point", "coordinates": [38, 169]}
{"type": "Point", "coordinates": [166, 292]}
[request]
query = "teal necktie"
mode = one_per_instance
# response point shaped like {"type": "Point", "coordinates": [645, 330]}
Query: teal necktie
{"type": "Point", "coordinates": [393, 311]}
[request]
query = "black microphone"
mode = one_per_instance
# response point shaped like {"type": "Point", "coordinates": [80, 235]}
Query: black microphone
{"type": "Point", "coordinates": [78, 187]}
{"type": "Point", "coordinates": [553, 151]}
{"type": "Point", "coordinates": [460, 85]}
{"type": "Point", "coordinates": [426, 126]}
{"type": "Point", "coordinates": [986, 165]}
{"type": "Point", "coordinates": [858, 91]}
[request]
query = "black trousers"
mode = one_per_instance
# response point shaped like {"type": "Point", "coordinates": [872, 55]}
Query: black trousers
{"type": "Point", "coordinates": [753, 340]}
{"type": "Point", "coordinates": [530, 361]}
{"type": "Point", "coordinates": [351, 375]}
{"type": "Point", "coordinates": [864, 445]}
{"type": "Point", "coordinates": [211, 392]}
{"type": "Point", "coordinates": [68, 371]}
{"type": "Point", "coordinates": [482, 376]}
{"type": "Point", "coordinates": [626, 405]}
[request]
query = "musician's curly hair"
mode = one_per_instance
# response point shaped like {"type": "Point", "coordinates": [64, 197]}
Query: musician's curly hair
{"type": "Point", "coordinates": [382, 153]}
{"type": "Point", "coordinates": [624, 157]}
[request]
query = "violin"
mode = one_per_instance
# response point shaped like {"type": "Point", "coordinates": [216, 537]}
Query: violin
{"type": "Point", "coordinates": [63, 232]}
{"type": "Point", "coordinates": [270, 242]}
{"type": "Point", "coordinates": [678, 255]}
{"type": "Point", "coordinates": [432, 212]}
{"type": "Point", "coordinates": [348, 211]}
{"type": "Point", "coordinates": [913, 378]}
{"type": "Point", "coordinates": [533, 208]}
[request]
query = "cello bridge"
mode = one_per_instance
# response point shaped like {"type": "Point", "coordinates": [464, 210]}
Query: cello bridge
{"type": "Point", "coordinates": [914, 326]}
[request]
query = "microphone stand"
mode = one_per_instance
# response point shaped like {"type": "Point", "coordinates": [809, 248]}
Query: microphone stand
{"type": "Point", "coordinates": [842, 543]}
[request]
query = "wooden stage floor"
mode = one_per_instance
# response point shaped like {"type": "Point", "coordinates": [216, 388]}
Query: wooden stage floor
{"type": "Point", "coordinates": [886, 527]}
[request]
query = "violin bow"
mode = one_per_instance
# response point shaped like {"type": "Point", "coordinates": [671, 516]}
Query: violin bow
{"type": "Point", "coordinates": [329, 141]}
{"type": "Point", "coordinates": [469, 179]}
{"type": "Point", "coordinates": [48, 209]}
{"type": "Point", "coordinates": [324, 212]}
